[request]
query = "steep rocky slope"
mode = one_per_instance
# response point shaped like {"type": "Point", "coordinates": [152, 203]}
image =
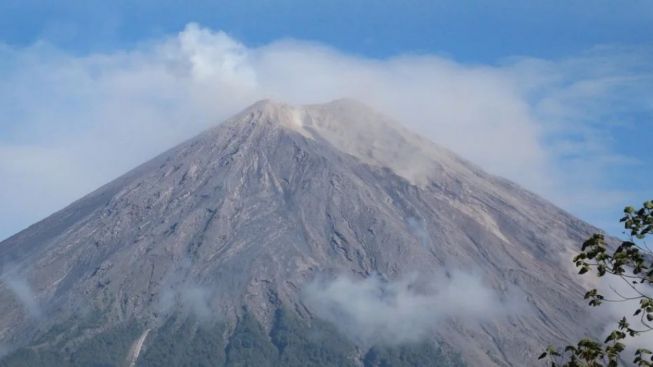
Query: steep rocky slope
{"type": "Point", "coordinates": [234, 226]}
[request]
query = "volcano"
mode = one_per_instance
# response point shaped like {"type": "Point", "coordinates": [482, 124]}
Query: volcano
{"type": "Point", "coordinates": [317, 235]}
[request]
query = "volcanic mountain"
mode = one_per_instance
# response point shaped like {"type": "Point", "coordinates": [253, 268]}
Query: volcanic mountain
{"type": "Point", "coordinates": [318, 235]}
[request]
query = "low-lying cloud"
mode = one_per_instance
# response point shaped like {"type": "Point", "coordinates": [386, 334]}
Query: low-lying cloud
{"type": "Point", "coordinates": [373, 310]}
{"type": "Point", "coordinates": [70, 123]}
{"type": "Point", "coordinates": [180, 293]}
{"type": "Point", "coordinates": [186, 298]}
{"type": "Point", "coordinates": [22, 291]}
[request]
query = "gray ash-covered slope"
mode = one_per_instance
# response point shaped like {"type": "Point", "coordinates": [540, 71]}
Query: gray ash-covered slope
{"type": "Point", "coordinates": [230, 227]}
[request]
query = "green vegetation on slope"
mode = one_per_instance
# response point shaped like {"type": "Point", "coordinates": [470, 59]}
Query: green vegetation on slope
{"type": "Point", "coordinates": [105, 349]}
{"type": "Point", "coordinates": [316, 345]}
{"type": "Point", "coordinates": [421, 354]}
{"type": "Point", "coordinates": [185, 342]}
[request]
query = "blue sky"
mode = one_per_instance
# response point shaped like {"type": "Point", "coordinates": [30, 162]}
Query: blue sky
{"type": "Point", "coordinates": [556, 95]}
{"type": "Point", "coordinates": [470, 31]}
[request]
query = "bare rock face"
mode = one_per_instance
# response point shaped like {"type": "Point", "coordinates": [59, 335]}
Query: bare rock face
{"type": "Point", "coordinates": [247, 215]}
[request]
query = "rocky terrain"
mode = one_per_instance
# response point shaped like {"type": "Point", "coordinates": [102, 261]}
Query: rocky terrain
{"type": "Point", "coordinates": [309, 235]}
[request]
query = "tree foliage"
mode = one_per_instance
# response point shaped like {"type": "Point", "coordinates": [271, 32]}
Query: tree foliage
{"type": "Point", "coordinates": [632, 263]}
{"type": "Point", "coordinates": [184, 341]}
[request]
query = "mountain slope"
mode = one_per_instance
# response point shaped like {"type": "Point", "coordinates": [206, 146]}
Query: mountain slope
{"type": "Point", "coordinates": [237, 223]}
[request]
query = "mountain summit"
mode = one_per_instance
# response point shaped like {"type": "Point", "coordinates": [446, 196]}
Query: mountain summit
{"type": "Point", "coordinates": [294, 236]}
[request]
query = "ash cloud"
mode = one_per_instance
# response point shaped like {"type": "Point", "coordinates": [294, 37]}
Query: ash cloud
{"type": "Point", "coordinates": [374, 310]}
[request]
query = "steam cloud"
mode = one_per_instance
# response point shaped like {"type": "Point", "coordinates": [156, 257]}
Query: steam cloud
{"type": "Point", "coordinates": [374, 311]}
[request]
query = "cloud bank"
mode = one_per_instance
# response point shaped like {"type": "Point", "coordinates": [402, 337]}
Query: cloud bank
{"type": "Point", "coordinates": [372, 311]}
{"type": "Point", "coordinates": [73, 122]}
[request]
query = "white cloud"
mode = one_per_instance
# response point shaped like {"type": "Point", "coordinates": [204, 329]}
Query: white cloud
{"type": "Point", "coordinates": [71, 123]}
{"type": "Point", "coordinates": [186, 298]}
{"type": "Point", "coordinates": [180, 293]}
{"type": "Point", "coordinates": [23, 292]}
{"type": "Point", "coordinates": [372, 310]}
